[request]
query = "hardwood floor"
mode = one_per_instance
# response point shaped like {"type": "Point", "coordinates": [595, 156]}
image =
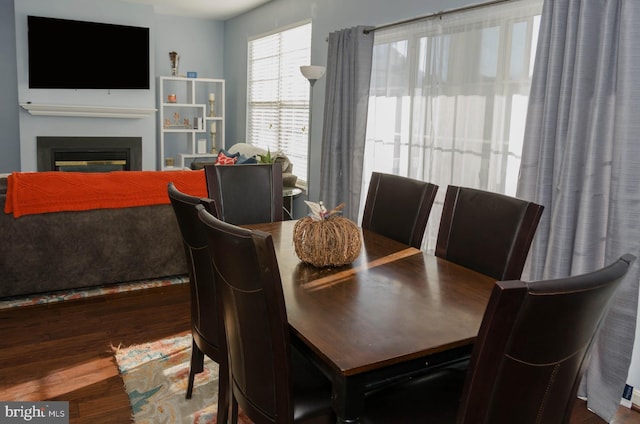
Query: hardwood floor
{"type": "Point", "coordinates": [62, 351]}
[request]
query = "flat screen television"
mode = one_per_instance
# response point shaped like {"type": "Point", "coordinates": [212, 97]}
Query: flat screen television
{"type": "Point", "coordinates": [86, 55]}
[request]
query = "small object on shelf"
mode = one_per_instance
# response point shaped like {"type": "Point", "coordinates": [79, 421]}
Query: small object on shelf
{"type": "Point", "coordinates": [191, 74]}
{"type": "Point", "coordinates": [171, 98]}
{"type": "Point", "coordinates": [169, 162]}
{"type": "Point", "coordinates": [213, 137]}
{"type": "Point", "coordinates": [174, 58]}
{"type": "Point", "coordinates": [212, 102]}
{"type": "Point", "coordinates": [202, 146]}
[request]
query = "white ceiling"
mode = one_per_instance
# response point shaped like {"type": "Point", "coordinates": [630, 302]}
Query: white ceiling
{"type": "Point", "coordinates": [206, 9]}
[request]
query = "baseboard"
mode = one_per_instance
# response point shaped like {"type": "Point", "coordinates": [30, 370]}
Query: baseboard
{"type": "Point", "coordinates": [635, 400]}
{"type": "Point", "coordinates": [71, 294]}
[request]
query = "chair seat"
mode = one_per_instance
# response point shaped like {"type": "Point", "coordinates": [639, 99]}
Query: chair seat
{"type": "Point", "coordinates": [436, 396]}
{"type": "Point", "coordinates": [313, 404]}
{"type": "Point", "coordinates": [311, 390]}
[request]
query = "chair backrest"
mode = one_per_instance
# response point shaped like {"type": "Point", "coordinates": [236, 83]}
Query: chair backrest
{"type": "Point", "coordinates": [487, 232]}
{"type": "Point", "coordinates": [533, 346]}
{"type": "Point", "coordinates": [246, 194]}
{"type": "Point", "coordinates": [255, 318]}
{"type": "Point", "coordinates": [398, 207]}
{"type": "Point", "coordinates": [205, 319]}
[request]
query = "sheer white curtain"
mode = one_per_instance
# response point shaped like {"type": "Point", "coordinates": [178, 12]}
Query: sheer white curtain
{"type": "Point", "coordinates": [448, 100]}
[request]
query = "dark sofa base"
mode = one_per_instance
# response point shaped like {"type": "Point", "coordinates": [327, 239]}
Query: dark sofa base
{"type": "Point", "coordinates": [65, 250]}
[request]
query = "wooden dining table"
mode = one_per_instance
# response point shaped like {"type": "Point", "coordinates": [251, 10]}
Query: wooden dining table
{"type": "Point", "coordinates": [394, 312]}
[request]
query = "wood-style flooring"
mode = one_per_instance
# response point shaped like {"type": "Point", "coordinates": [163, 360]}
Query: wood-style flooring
{"type": "Point", "coordinates": [62, 351]}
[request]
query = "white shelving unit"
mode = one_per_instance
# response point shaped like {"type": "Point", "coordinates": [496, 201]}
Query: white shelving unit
{"type": "Point", "coordinates": [188, 129]}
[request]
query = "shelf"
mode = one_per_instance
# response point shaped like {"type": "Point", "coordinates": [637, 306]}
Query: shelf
{"type": "Point", "coordinates": [180, 141]}
{"type": "Point", "coordinates": [197, 155]}
{"type": "Point", "coordinates": [84, 111]}
{"type": "Point", "coordinates": [182, 105]}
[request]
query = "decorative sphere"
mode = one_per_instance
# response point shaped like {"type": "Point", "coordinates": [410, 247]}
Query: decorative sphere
{"type": "Point", "coordinates": [334, 241]}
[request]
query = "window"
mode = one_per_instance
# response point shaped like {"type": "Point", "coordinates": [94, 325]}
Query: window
{"type": "Point", "coordinates": [278, 95]}
{"type": "Point", "coordinates": [449, 98]}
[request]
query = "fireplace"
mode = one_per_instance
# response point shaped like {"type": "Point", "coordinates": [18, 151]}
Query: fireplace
{"type": "Point", "coordinates": [89, 154]}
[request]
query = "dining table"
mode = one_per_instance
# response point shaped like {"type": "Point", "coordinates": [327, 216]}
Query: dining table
{"type": "Point", "coordinates": [394, 312]}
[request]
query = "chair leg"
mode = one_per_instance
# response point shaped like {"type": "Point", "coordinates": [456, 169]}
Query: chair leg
{"type": "Point", "coordinates": [234, 410]}
{"type": "Point", "coordinates": [224, 393]}
{"type": "Point", "coordinates": [196, 366]}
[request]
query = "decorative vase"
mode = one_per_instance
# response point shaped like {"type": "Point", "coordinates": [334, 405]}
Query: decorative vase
{"type": "Point", "coordinates": [174, 58]}
{"type": "Point", "coordinates": [333, 241]}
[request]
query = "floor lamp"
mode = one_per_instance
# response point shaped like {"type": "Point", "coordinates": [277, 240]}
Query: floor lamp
{"type": "Point", "coordinates": [313, 74]}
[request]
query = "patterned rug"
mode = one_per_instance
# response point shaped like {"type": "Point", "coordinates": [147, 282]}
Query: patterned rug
{"type": "Point", "coordinates": [155, 377]}
{"type": "Point", "coordinates": [58, 296]}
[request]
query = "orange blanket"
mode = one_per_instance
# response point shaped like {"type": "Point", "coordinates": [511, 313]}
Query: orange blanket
{"type": "Point", "coordinates": [41, 192]}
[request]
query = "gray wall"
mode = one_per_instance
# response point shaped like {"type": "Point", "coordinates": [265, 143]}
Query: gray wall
{"type": "Point", "coordinates": [10, 134]}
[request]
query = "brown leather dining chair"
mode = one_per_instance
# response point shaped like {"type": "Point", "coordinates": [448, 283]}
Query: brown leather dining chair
{"type": "Point", "coordinates": [206, 323]}
{"type": "Point", "coordinates": [487, 232]}
{"type": "Point", "coordinates": [247, 193]}
{"type": "Point", "coordinates": [527, 362]}
{"type": "Point", "coordinates": [398, 207]}
{"type": "Point", "coordinates": [270, 380]}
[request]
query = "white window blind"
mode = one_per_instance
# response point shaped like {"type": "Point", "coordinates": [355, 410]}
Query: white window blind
{"type": "Point", "coordinates": [278, 94]}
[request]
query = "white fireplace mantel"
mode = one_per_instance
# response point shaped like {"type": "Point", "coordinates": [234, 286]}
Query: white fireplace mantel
{"type": "Point", "coordinates": [39, 109]}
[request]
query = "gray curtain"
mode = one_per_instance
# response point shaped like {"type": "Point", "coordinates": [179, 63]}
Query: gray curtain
{"type": "Point", "coordinates": [345, 118]}
{"type": "Point", "coordinates": [581, 161]}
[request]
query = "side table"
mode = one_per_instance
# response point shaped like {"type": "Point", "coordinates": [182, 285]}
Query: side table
{"type": "Point", "coordinates": [288, 194]}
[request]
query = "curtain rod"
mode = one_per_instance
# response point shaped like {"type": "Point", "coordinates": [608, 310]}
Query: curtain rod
{"type": "Point", "coordinates": [436, 14]}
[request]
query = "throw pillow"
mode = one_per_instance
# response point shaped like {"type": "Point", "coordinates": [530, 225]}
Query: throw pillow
{"type": "Point", "coordinates": [226, 160]}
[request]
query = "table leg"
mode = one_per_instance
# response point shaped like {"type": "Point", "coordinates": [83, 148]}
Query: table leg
{"type": "Point", "coordinates": [287, 207]}
{"type": "Point", "coordinates": [288, 196]}
{"type": "Point", "coordinates": [347, 398]}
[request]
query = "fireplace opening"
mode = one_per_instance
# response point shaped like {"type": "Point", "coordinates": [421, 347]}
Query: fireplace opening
{"type": "Point", "coordinates": [89, 154]}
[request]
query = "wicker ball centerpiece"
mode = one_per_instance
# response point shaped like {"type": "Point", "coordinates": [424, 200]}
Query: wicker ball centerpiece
{"type": "Point", "coordinates": [326, 239]}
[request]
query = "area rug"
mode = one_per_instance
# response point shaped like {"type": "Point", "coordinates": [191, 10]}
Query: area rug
{"type": "Point", "coordinates": [61, 295]}
{"type": "Point", "coordinates": [155, 376]}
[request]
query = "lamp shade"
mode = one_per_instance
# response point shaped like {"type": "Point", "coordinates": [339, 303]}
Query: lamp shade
{"type": "Point", "coordinates": [312, 72]}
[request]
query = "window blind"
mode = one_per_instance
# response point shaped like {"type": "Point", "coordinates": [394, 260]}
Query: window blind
{"type": "Point", "coordinates": [278, 95]}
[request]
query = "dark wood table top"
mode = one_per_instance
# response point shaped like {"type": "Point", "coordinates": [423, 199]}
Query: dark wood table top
{"type": "Point", "coordinates": [393, 304]}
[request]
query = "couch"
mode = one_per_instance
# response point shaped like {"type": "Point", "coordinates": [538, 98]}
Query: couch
{"type": "Point", "coordinates": [248, 153]}
{"type": "Point", "coordinates": [74, 249]}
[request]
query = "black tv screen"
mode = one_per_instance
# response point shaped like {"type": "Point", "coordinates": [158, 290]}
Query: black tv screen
{"type": "Point", "coordinates": [87, 55]}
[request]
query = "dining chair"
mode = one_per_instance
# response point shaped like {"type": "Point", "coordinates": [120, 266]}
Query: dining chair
{"type": "Point", "coordinates": [271, 381]}
{"type": "Point", "coordinates": [247, 193]}
{"type": "Point", "coordinates": [207, 328]}
{"type": "Point", "coordinates": [527, 362]}
{"type": "Point", "coordinates": [487, 232]}
{"type": "Point", "coordinates": [398, 207]}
